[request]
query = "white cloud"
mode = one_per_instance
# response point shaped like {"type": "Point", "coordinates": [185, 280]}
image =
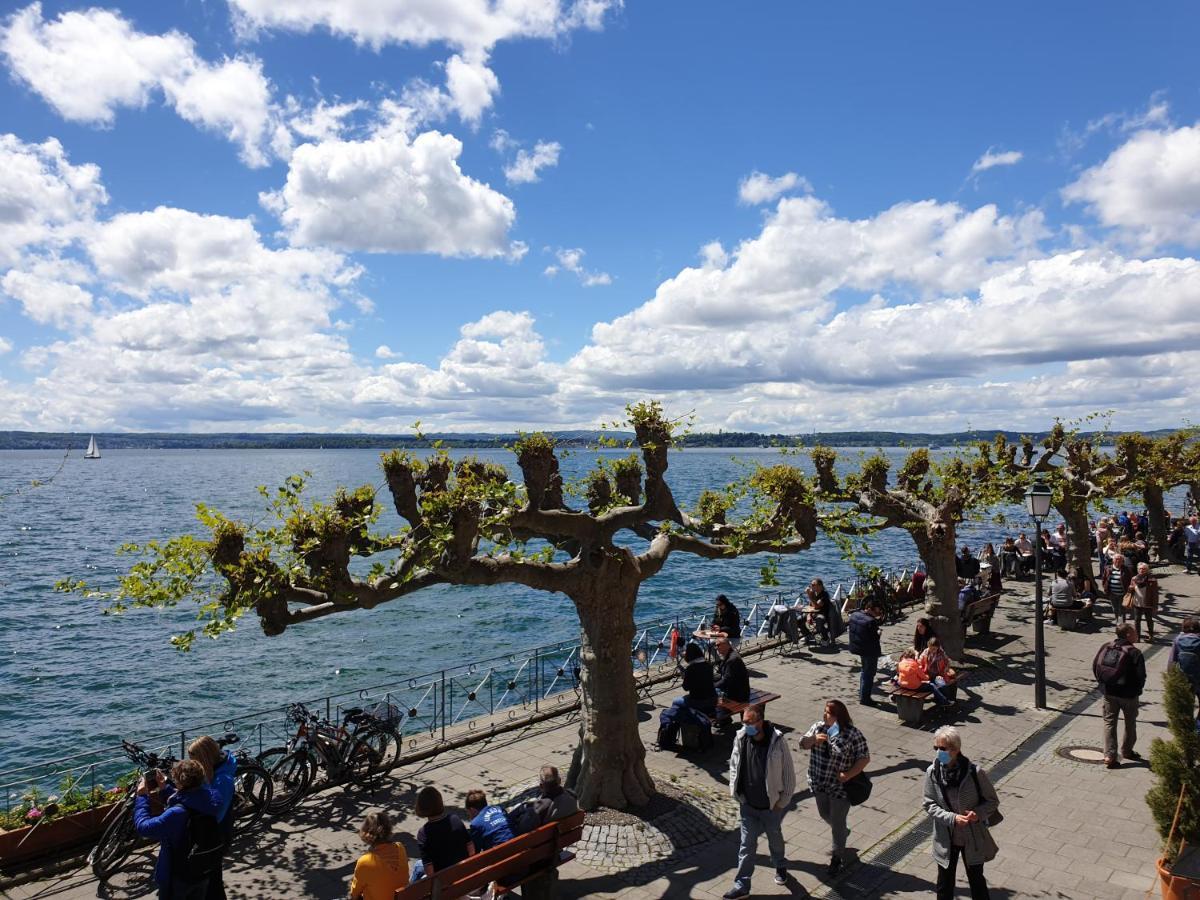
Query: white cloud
{"type": "Point", "coordinates": [993, 158]}
{"type": "Point", "coordinates": [471, 85]}
{"type": "Point", "coordinates": [5, 346]}
{"type": "Point", "coordinates": [388, 195]}
{"type": "Point", "coordinates": [571, 260]}
{"type": "Point", "coordinates": [757, 187]}
{"type": "Point", "coordinates": [1148, 188]}
{"type": "Point", "coordinates": [528, 164]}
{"type": "Point", "coordinates": [383, 351]}
{"type": "Point", "coordinates": [325, 121]}
{"type": "Point", "coordinates": [47, 300]}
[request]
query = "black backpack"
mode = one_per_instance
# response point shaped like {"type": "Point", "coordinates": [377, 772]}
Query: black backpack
{"type": "Point", "coordinates": [203, 847]}
{"type": "Point", "coordinates": [1112, 664]}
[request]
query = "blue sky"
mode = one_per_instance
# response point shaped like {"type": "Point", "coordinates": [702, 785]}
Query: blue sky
{"type": "Point", "coordinates": [948, 200]}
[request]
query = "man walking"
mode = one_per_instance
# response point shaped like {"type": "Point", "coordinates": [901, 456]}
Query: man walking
{"type": "Point", "coordinates": [1121, 669]}
{"type": "Point", "coordinates": [1192, 533]}
{"type": "Point", "coordinates": [1119, 577]}
{"type": "Point", "coordinates": [864, 641]}
{"type": "Point", "coordinates": [762, 779]}
{"type": "Point", "coordinates": [1185, 653]}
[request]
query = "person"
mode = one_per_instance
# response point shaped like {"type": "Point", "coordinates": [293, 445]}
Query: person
{"type": "Point", "coordinates": [1185, 653]}
{"type": "Point", "coordinates": [727, 621]}
{"type": "Point", "coordinates": [1025, 552]}
{"type": "Point", "coordinates": [220, 773]}
{"type": "Point", "coordinates": [916, 587]}
{"type": "Point", "coordinates": [911, 675]}
{"type": "Point", "coordinates": [815, 617]}
{"type": "Point", "coordinates": [383, 869]}
{"type": "Point", "coordinates": [1062, 596]}
{"type": "Point", "coordinates": [488, 825]}
{"type": "Point", "coordinates": [1060, 544]}
{"type": "Point", "coordinates": [552, 803]}
{"type": "Point", "coordinates": [697, 706]}
{"type": "Point", "coordinates": [1118, 583]}
{"type": "Point", "coordinates": [864, 628]}
{"type": "Point", "coordinates": [1121, 669]}
{"type": "Point", "coordinates": [443, 840]}
{"type": "Point", "coordinates": [1142, 549]}
{"type": "Point", "coordinates": [968, 593]}
{"type": "Point", "coordinates": [1177, 539]}
{"type": "Point", "coordinates": [1191, 532]}
{"type": "Point", "coordinates": [935, 660]}
{"type": "Point", "coordinates": [1009, 558]}
{"type": "Point", "coordinates": [989, 568]}
{"type": "Point", "coordinates": [1144, 588]}
{"type": "Point", "coordinates": [922, 634]}
{"type": "Point", "coordinates": [762, 779]}
{"type": "Point", "coordinates": [966, 565]}
{"type": "Point", "coordinates": [839, 753]}
{"type": "Point", "coordinates": [733, 681]}
{"type": "Point", "coordinates": [959, 798]}
{"type": "Point", "coordinates": [191, 809]}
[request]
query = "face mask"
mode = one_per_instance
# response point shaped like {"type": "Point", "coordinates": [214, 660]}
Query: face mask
{"type": "Point", "coordinates": [943, 756]}
{"type": "Point", "coordinates": [751, 730]}
{"type": "Point", "coordinates": [833, 730]}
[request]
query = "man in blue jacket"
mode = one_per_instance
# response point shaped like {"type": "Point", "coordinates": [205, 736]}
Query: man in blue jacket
{"type": "Point", "coordinates": [186, 796]}
{"type": "Point", "coordinates": [489, 825]}
{"type": "Point", "coordinates": [863, 627]}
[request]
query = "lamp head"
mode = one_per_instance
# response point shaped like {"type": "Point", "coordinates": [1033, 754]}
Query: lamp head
{"type": "Point", "coordinates": [1037, 500]}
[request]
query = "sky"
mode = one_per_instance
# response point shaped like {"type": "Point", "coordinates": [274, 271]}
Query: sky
{"type": "Point", "coordinates": [488, 215]}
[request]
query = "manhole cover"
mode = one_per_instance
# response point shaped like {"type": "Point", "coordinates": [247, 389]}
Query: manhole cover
{"type": "Point", "coordinates": [1081, 754]}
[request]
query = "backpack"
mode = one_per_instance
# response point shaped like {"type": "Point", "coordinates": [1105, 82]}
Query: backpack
{"type": "Point", "coordinates": [1188, 658]}
{"type": "Point", "coordinates": [203, 847]}
{"type": "Point", "coordinates": [1111, 665]}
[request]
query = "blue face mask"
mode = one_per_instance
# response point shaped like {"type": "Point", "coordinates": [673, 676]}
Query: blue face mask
{"type": "Point", "coordinates": [751, 730]}
{"type": "Point", "coordinates": [833, 730]}
{"type": "Point", "coordinates": [943, 756]}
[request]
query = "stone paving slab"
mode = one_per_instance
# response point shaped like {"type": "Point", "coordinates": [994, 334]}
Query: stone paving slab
{"type": "Point", "coordinates": [1053, 841]}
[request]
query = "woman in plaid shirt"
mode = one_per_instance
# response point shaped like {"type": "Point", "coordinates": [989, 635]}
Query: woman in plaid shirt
{"type": "Point", "coordinates": [839, 752]}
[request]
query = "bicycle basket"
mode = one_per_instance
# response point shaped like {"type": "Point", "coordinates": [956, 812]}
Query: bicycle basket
{"type": "Point", "coordinates": [387, 713]}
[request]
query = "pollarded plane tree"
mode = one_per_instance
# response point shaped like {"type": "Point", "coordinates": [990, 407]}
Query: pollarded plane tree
{"type": "Point", "coordinates": [467, 523]}
{"type": "Point", "coordinates": [927, 501]}
{"type": "Point", "coordinates": [1153, 467]}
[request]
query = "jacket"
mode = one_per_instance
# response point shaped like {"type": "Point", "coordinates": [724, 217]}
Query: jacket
{"type": "Point", "coordinates": [489, 829]}
{"type": "Point", "coordinates": [380, 872]}
{"type": "Point", "coordinates": [1134, 679]}
{"type": "Point", "coordinates": [170, 828]}
{"type": "Point", "coordinates": [1185, 653]}
{"type": "Point", "coordinates": [733, 681]}
{"type": "Point", "coordinates": [910, 674]}
{"type": "Point", "coordinates": [1150, 589]}
{"type": "Point", "coordinates": [864, 634]}
{"type": "Point", "coordinates": [698, 683]}
{"type": "Point", "coordinates": [781, 774]}
{"type": "Point", "coordinates": [224, 778]}
{"type": "Point", "coordinates": [979, 846]}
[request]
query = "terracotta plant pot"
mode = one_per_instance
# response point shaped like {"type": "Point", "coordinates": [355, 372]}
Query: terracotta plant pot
{"type": "Point", "coordinates": [59, 833]}
{"type": "Point", "coordinates": [1176, 887]}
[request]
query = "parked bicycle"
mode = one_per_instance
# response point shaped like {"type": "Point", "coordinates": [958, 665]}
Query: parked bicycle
{"type": "Point", "coordinates": [364, 744]}
{"type": "Point", "coordinates": [251, 799]}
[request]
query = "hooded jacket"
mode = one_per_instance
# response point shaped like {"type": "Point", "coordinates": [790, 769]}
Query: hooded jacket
{"type": "Point", "coordinates": [224, 779]}
{"type": "Point", "coordinates": [781, 774]}
{"type": "Point", "coordinates": [170, 828]}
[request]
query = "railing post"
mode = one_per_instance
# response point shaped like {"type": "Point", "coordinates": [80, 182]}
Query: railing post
{"type": "Point", "coordinates": [183, 745]}
{"type": "Point", "coordinates": [443, 704]}
{"type": "Point", "coordinates": [328, 708]}
{"type": "Point", "coordinates": [537, 679]}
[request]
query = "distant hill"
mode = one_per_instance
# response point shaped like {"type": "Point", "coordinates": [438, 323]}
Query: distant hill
{"type": "Point", "coordinates": [36, 440]}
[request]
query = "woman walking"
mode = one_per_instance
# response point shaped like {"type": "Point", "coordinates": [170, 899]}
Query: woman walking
{"type": "Point", "coordinates": [1144, 588]}
{"type": "Point", "coordinates": [839, 752]}
{"type": "Point", "coordinates": [960, 800]}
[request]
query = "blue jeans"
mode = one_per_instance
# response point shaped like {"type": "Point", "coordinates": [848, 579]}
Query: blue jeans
{"type": "Point", "coordinates": [754, 823]}
{"type": "Point", "coordinates": [938, 697]}
{"type": "Point", "coordinates": [866, 678]}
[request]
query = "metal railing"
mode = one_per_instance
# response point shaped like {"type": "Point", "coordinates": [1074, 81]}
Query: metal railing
{"type": "Point", "coordinates": [449, 707]}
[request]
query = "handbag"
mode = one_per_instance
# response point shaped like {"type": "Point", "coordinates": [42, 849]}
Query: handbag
{"type": "Point", "coordinates": [1127, 603]}
{"type": "Point", "coordinates": [995, 818]}
{"type": "Point", "coordinates": [858, 789]}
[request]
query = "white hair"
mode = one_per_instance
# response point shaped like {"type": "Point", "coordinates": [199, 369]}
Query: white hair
{"type": "Point", "coordinates": [949, 734]}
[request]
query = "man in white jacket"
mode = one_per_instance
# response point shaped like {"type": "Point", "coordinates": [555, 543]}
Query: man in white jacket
{"type": "Point", "coordinates": [762, 779]}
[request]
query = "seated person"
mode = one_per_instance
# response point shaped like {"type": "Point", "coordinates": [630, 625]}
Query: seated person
{"type": "Point", "coordinates": [1009, 559]}
{"type": "Point", "coordinates": [1062, 596]}
{"type": "Point", "coordinates": [916, 588]}
{"type": "Point", "coordinates": [965, 565]}
{"type": "Point", "coordinates": [968, 593]}
{"type": "Point", "coordinates": [697, 706]}
{"type": "Point", "coordinates": [727, 620]}
{"type": "Point", "coordinates": [911, 675]}
{"type": "Point", "coordinates": [488, 824]}
{"type": "Point", "coordinates": [815, 616]}
{"type": "Point", "coordinates": [443, 840]}
{"type": "Point", "coordinates": [989, 559]}
{"type": "Point", "coordinates": [733, 681]}
{"type": "Point", "coordinates": [936, 662]}
{"type": "Point", "coordinates": [553, 802]}
{"type": "Point", "coordinates": [383, 869]}
{"type": "Point", "coordinates": [922, 634]}
{"type": "Point", "coordinates": [1025, 553]}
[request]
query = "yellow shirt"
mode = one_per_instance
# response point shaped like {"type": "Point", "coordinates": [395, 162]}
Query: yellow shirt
{"type": "Point", "coordinates": [380, 872]}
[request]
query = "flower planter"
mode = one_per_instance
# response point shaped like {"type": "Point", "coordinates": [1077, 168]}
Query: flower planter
{"type": "Point", "coordinates": [1176, 887]}
{"type": "Point", "coordinates": [59, 833]}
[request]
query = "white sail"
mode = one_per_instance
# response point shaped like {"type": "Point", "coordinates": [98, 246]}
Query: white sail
{"type": "Point", "coordinates": [93, 452]}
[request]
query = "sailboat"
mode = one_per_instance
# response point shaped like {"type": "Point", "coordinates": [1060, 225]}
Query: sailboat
{"type": "Point", "coordinates": [93, 452]}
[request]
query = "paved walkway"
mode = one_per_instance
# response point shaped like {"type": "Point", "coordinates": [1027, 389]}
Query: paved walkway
{"type": "Point", "coordinates": [1058, 839]}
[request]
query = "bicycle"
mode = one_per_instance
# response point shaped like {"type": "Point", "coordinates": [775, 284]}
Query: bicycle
{"type": "Point", "coordinates": [251, 798]}
{"type": "Point", "coordinates": [363, 745]}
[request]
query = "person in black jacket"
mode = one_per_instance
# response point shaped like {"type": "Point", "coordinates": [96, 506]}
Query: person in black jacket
{"type": "Point", "coordinates": [733, 681]}
{"type": "Point", "coordinates": [699, 705]}
{"type": "Point", "coordinates": [1120, 667]}
{"type": "Point", "coordinates": [864, 628]}
{"type": "Point", "coordinates": [727, 620]}
{"type": "Point", "coordinates": [965, 565]}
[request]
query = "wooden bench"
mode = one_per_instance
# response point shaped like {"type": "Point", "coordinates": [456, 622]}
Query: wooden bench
{"type": "Point", "coordinates": [515, 862]}
{"type": "Point", "coordinates": [910, 705]}
{"type": "Point", "coordinates": [978, 615]}
{"type": "Point", "coordinates": [727, 709]}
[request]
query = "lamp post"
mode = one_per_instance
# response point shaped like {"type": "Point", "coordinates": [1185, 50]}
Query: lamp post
{"type": "Point", "coordinates": [1037, 504]}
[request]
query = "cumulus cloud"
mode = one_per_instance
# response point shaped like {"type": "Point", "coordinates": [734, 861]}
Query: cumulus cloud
{"type": "Point", "coordinates": [88, 64]}
{"type": "Point", "coordinates": [993, 158]}
{"type": "Point", "coordinates": [757, 187]}
{"type": "Point", "coordinates": [1148, 188]}
{"type": "Point", "coordinates": [390, 195]}
{"type": "Point", "coordinates": [526, 167]}
{"type": "Point", "coordinates": [571, 260]}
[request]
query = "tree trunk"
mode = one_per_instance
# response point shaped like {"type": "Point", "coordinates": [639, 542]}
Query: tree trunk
{"type": "Point", "coordinates": [935, 546]}
{"type": "Point", "coordinates": [1074, 513]}
{"type": "Point", "coordinates": [609, 765]}
{"type": "Point", "coordinates": [1156, 512]}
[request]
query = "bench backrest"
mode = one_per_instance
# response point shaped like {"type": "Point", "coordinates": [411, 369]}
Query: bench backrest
{"type": "Point", "coordinates": [515, 857]}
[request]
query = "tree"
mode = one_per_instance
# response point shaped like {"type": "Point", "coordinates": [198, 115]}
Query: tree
{"type": "Point", "coordinates": [468, 524]}
{"type": "Point", "coordinates": [1176, 762]}
{"type": "Point", "coordinates": [927, 501]}
{"type": "Point", "coordinates": [1154, 466]}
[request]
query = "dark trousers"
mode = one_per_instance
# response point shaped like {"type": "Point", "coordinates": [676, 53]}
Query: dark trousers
{"type": "Point", "coordinates": [945, 882]}
{"type": "Point", "coordinates": [866, 678]}
{"type": "Point", "coordinates": [179, 889]}
{"type": "Point", "coordinates": [1146, 612]}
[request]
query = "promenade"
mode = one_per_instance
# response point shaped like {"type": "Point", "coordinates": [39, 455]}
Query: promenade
{"type": "Point", "coordinates": [1072, 828]}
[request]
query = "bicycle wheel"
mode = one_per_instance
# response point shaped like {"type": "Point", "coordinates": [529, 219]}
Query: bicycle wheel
{"type": "Point", "coordinates": [373, 752]}
{"type": "Point", "coordinates": [253, 792]}
{"type": "Point", "coordinates": [116, 843]}
{"type": "Point", "coordinates": [291, 773]}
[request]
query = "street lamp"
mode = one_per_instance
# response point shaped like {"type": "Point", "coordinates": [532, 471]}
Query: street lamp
{"type": "Point", "coordinates": [1037, 504]}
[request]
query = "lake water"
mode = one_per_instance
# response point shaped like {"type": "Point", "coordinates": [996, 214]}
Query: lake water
{"type": "Point", "coordinates": [74, 679]}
